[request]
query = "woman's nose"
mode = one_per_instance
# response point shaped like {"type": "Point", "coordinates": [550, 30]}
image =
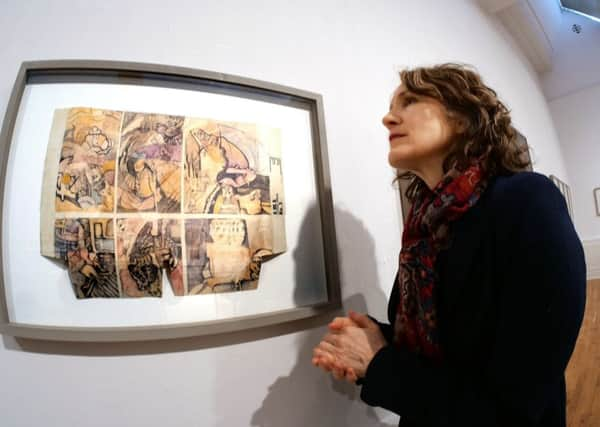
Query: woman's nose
{"type": "Point", "coordinates": [389, 120]}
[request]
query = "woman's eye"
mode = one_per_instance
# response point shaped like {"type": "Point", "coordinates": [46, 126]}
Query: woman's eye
{"type": "Point", "coordinates": [409, 100]}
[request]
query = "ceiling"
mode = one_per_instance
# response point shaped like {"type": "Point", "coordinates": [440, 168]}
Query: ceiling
{"type": "Point", "coordinates": [563, 47]}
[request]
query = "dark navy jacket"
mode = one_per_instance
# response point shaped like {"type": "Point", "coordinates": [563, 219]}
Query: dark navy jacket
{"type": "Point", "coordinates": [510, 302]}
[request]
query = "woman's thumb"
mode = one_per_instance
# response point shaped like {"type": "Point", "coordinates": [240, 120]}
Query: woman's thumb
{"type": "Point", "coordinates": [362, 320]}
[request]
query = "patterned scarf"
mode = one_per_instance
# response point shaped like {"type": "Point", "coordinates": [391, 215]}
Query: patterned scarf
{"type": "Point", "coordinates": [425, 234]}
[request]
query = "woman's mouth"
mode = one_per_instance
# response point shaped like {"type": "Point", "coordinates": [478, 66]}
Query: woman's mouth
{"type": "Point", "coordinates": [396, 135]}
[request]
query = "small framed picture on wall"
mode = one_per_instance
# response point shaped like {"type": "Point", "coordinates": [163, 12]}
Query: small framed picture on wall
{"type": "Point", "coordinates": [565, 191]}
{"type": "Point", "coordinates": [597, 200]}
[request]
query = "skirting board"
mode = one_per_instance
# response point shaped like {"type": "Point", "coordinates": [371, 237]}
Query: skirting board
{"type": "Point", "coordinates": [592, 258]}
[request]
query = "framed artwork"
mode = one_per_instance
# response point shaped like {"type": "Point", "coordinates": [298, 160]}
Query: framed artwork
{"type": "Point", "coordinates": [597, 200]}
{"type": "Point", "coordinates": [565, 191]}
{"type": "Point", "coordinates": [522, 141]}
{"type": "Point", "coordinates": [404, 183]}
{"type": "Point", "coordinates": [145, 201]}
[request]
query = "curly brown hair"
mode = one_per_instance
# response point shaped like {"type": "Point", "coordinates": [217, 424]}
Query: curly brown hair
{"type": "Point", "coordinates": [487, 135]}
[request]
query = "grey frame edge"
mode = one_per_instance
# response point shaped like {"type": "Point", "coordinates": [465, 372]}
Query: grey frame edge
{"type": "Point", "coordinates": [178, 330]}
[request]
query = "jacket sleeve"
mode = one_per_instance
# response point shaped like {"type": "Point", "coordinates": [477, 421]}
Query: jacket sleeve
{"type": "Point", "coordinates": [386, 328]}
{"type": "Point", "coordinates": [541, 298]}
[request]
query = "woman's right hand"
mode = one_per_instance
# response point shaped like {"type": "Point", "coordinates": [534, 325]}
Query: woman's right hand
{"type": "Point", "coordinates": [327, 361]}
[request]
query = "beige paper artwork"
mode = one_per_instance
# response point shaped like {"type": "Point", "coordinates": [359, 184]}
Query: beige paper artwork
{"type": "Point", "coordinates": [127, 195]}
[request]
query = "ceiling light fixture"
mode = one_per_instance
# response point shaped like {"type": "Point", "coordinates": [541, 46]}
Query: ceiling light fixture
{"type": "Point", "coordinates": [586, 8]}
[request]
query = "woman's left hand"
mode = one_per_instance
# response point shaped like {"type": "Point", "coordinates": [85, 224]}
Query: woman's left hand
{"type": "Point", "coordinates": [349, 347]}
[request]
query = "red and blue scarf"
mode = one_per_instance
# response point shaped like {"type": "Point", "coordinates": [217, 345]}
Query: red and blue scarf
{"type": "Point", "coordinates": [425, 235]}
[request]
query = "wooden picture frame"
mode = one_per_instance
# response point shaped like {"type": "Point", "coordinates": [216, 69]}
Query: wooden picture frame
{"type": "Point", "coordinates": [303, 281]}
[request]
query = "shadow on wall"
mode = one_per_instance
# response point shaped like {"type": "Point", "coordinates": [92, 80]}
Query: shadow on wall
{"type": "Point", "coordinates": [306, 396]}
{"type": "Point", "coordinates": [130, 348]}
{"type": "Point", "coordinates": [309, 396]}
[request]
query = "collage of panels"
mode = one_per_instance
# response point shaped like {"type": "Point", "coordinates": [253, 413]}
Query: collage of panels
{"type": "Point", "coordinates": [137, 193]}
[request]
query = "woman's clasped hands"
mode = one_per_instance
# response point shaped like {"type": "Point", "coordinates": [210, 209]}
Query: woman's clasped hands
{"type": "Point", "coordinates": [349, 347]}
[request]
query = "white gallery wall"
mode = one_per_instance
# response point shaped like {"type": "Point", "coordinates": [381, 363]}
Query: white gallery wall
{"type": "Point", "coordinates": [348, 51]}
{"type": "Point", "coordinates": [576, 119]}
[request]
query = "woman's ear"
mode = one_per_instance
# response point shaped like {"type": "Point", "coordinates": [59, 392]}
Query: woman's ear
{"type": "Point", "coordinates": [460, 122]}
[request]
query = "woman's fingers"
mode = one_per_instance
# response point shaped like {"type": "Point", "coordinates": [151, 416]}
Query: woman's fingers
{"type": "Point", "coordinates": [319, 363]}
{"type": "Point", "coordinates": [328, 345]}
{"type": "Point", "coordinates": [350, 375]}
{"type": "Point", "coordinates": [323, 364]}
{"type": "Point", "coordinates": [361, 320]}
{"type": "Point", "coordinates": [340, 323]}
{"type": "Point", "coordinates": [331, 341]}
{"type": "Point", "coordinates": [338, 372]}
{"type": "Point", "coordinates": [330, 363]}
{"type": "Point", "coordinates": [335, 352]}
{"type": "Point", "coordinates": [323, 358]}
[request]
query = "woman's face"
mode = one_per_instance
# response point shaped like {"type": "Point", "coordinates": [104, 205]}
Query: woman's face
{"type": "Point", "coordinates": [421, 133]}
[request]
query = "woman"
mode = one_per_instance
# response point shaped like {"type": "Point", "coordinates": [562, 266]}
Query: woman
{"type": "Point", "coordinates": [490, 294]}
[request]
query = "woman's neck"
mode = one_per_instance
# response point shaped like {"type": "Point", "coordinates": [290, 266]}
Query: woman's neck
{"type": "Point", "coordinates": [431, 175]}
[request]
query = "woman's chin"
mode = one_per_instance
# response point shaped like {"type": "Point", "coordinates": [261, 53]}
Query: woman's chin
{"type": "Point", "coordinates": [396, 162]}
